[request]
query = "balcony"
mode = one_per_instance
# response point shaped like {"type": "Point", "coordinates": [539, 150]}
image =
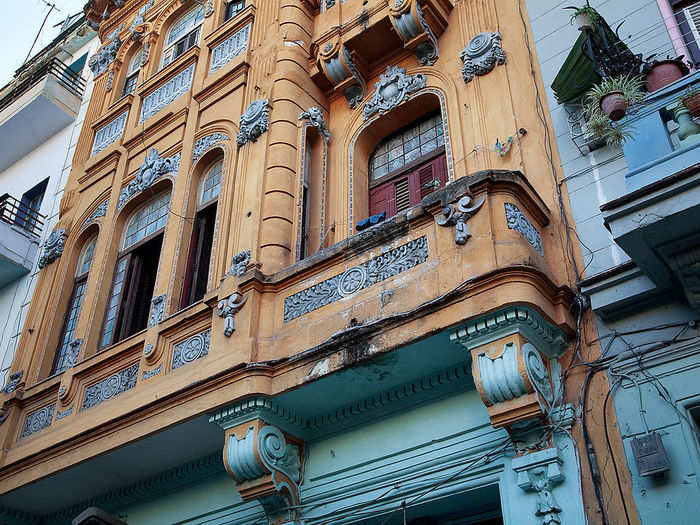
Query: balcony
{"type": "Point", "coordinates": [20, 228]}
{"type": "Point", "coordinates": [665, 137]}
{"type": "Point", "coordinates": [37, 106]}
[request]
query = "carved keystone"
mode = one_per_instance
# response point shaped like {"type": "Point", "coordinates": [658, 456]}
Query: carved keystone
{"type": "Point", "coordinates": [538, 472]}
{"type": "Point", "coordinates": [266, 464]}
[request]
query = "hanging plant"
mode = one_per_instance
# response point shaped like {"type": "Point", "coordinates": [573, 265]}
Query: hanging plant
{"type": "Point", "coordinates": [614, 95]}
{"type": "Point", "coordinates": [585, 17]}
{"type": "Point", "coordinates": [661, 73]}
{"type": "Point", "coordinates": [691, 100]}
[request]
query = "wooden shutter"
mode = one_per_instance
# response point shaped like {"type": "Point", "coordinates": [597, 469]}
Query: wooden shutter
{"type": "Point", "coordinates": [382, 199]}
{"type": "Point", "coordinates": [431, 177]}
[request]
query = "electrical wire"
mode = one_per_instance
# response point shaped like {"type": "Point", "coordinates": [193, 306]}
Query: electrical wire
{"type": "Point", "coordinates": [52, 7]}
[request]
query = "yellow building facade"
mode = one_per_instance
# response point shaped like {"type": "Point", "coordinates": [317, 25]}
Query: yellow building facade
{"type": "Point", "coordinates": [288, 223]}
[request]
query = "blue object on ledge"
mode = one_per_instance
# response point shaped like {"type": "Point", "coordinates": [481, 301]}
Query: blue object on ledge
{"type": "Point", "coordinates": [370, 221]}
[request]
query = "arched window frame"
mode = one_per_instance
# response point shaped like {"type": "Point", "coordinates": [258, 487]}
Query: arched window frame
{"type": "Point", "coordinates": [135, 271]}
{"type": "Point", "coordinates": [202, 242]}
{"type": "Point", "coordinates": [62, 359]}
{"type": "Point", "coordinates": [132, 73]}
{"type": "Point", "coordinates": [183, 34]}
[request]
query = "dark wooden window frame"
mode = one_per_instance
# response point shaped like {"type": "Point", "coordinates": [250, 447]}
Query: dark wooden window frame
{"type": "Point", "coordinates": [126, 308]}
{"type": "Point", "coordinates": [79, 280]}
{"type": "Point", "coordinates": [196, 256]}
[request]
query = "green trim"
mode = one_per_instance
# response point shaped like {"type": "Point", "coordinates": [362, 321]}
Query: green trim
{"type": "Point", "coordinates": [577, 75]}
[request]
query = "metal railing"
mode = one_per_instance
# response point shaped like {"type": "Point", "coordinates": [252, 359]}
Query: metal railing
{"type": "Point", "coordinates": [68, 78]}
{"type": "Point", "coordinates": [18, 214]}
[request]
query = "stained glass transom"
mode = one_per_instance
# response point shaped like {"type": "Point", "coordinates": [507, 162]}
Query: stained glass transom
{"type": "Point", "coordinates": [212, 183]}
{"type": "Point", "coordinates": [185, 24]}
{"type": "Point", "coordinates": [147, 220]}
{"type": "Point", "coordinates": [399, 150]}
{"type": "Point", "coordinates": [86, 256]}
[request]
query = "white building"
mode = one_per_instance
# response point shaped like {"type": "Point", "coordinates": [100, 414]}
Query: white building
{"type": "Point", "coordinates": [41, 113]}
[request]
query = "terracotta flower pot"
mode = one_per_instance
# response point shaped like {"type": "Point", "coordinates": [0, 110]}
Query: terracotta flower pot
{"type": "Point", "coordinates": [693, 104]}
{"type": "Point", "coordinates": [614, 105]}
{"type": "Point", "coordinates": [663, 73]}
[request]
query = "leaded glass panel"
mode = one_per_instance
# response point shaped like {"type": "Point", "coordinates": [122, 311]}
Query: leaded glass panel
{"type": "Point", "coordinates": [147, 219]}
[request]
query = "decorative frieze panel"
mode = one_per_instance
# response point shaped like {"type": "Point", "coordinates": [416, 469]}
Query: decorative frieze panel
{"type": "Point", "coordinates": [254, 122]}
{"type": "Point", "coordinates": [99, 62]}
{"type": "Point", "coordinates": [109, 133]}
{"type": "Point", "coordinates": [152, 169]}
{"type": "Point", "coordinates": [110, 387]}
{"type": "Point", "coordinates": [38, 420]}
{"type": "Point", "coordinates": [188, 351]}
{"type": "Point", "coordinates": [229, 49]}
{"type": "Point", "coordinates": [457, 216]}
{"type": "Point", "coordinates": [64, 413]}
{"type": "Point", "coordinates": [205, 143]}
{"type": "Point", "coordinates": [53, 247]}
{"type": "Point", "coordinates": [315, 117]}
{"type": "Point", "coordinates": [165, 94]}
{"type": "Point", "coordinates": [481, 55]}
{"type": "Point", "coordinates": [148, 374]}
{"type": "Point", "coordinates": [518, 222]}
{"type": "Point", "coordinates": [392, 89]}
{"type": "Point", "coordinates": [389, 264]}
{"type": "Point", "coordinates": [98, 212]}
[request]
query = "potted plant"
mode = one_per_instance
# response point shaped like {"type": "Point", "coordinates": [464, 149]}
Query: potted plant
{"type": "Point", "coordinates": [660, 73]}
{"type": "Point", "coordinates": [585, 17]}
{"type": "Point", "coordinates": [614, 95]}
{"type": "Point", "coordinates": [691, 100]}
{"type": "Point", "coordinates": [600, 127]}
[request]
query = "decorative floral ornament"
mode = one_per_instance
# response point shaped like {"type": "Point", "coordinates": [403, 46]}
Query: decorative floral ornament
{"type": "Point", "coordinates": [315, 117]}
{"type": "Point", "coordinates": [392, 89]}
{"type": "Point", "coordinates": [481, 55]}
{"type": "Point", "coordinates": [53, 248]}
{"type": "Point", "coordinates": [254, 122]}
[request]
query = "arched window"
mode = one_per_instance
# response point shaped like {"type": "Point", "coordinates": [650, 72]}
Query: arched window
{"type": "Point", "coordinates": [199, 259]}
{"type": "Point", "coordinates": [183, 35]}
{"type": "Point", "coordinates": [132, 73]}
{"type": "Point", "coordinates": [61, 360]}
{"type": "Point", "coordinates": [135, 273]}
{"type": "Point", "coordinates": [407, 166]}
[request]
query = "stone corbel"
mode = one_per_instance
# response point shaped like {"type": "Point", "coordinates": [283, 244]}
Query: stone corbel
{"type": "Point", "coordinates": [266, 464]}
{"type": "Point", "coordinates": [412, 28]}
{"type": "Point", "coordinates": [539, 472]}
{"type": "Point", "coordinates": [513, 381]}
{"type": "Point", "coordinates": [457, 216]}
{"type": "Point", "coordinates": [228, 308]}
{"type": "Point", "coordinates": [343, 70]}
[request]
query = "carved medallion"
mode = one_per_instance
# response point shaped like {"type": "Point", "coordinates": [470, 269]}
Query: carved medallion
{"type": "Point", "coordinates": [392, 89]}
{"type": "Point", "coordinates": [53, 247]}
{"type": "Point", "coordinates": [254, 122]}
{"type": "Point", "coordinates": [481, 55]}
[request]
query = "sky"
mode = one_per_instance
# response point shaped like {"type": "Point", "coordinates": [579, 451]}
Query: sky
{"type": "Point", "coordinates": [20, 21]}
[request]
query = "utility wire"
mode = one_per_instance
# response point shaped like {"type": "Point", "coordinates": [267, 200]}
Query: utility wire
{"type": "Point", "coordinates": [52, 7]}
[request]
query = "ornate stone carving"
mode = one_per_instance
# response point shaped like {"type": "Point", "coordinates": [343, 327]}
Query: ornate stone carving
{"type": "Point", "coordinates": [392, 89]}
{"type": "Point", "coordinates": [98, 212]}
{"type": "Point", "coordinates": [315, 117]}
{"type": "Point", "coordinates": [203, 144]}
{"type": "Point", "coordinates": [501, 379]}
{"type": "Point", "coordinates": [539, 472]}
{"type": "Point", "coordinates": [191, 349]}
{"type": "Point", "coordinates": [153, 167]}
{"type": "Point", "coordinates": [65, 413]}
{"type": "Point", "coordinates": [13, 382]}
{"type": "Point", "coordinates": [353, 95]}
{"type": "Point", "coordinates": [38, 420]}
{"type": "Point", "coordinates": [330, 3]}
{"type": "Point", "coordinates": [229, 49]}
{"type": "Point", "coordinates": [148, 374]}
{"type": "Point", "coordinates": [411, 27]}
{"type": "Point", "coordinates": [457, 215]}
{"type": "Point", "coordinates": [481, 55]}
{"type": "Point", "coordinates": [239, 263]}
{"type": "Point", "coordinates": [99, 62]}
{"type": "Point", "coordinates": [518, 222]}
{"type": "Point", "coordinates": [114, 33]}
{"type": "Point", "coordinates": [537, 372]}
{"type": "Point", "coordinates": [228, 308]}
{"type": "Point", "coordinates": [53, 247]}
{"type": "Point", "coordinates": [110, 79]}
{"type": "Point", "coordinates": [73, 353]}
{"type": "Point", "coordinates": [147, 350]}
{"type": "Point", "coordinates": [110, 387]}
{"type": "Point", "coordinates": [165, 94]}
{"type": "Point", "coordinates": [377, 269]}
{"type": "Point", "coordinates": [157, 310]}
{"type": "Point", "coordinates": [339, 67]}
{"type": "Point", "coordinates": [109, 133]}
{"type": "Point", "coordinates": [254, 122]}
{"type": "Point", "coordinates": [265, 452]}
{"type": "Point", "coordinates": [139, 20]}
